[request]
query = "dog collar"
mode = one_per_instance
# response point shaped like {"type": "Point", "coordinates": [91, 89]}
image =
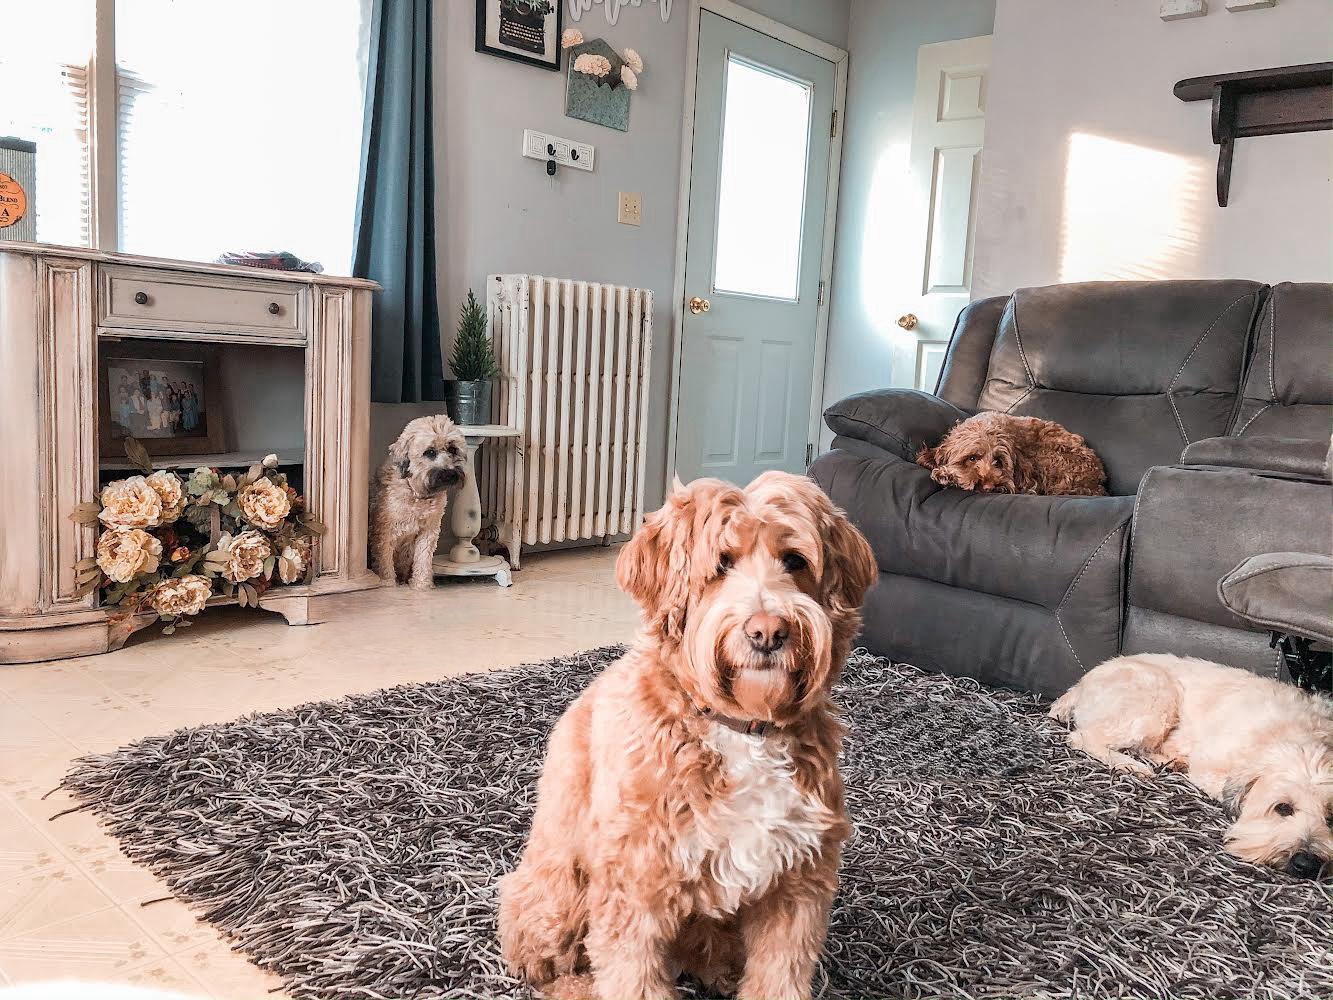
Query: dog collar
{"type": "Point", "coordinates": [748, 727]}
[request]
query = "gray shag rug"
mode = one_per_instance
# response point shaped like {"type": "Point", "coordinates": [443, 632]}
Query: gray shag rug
{"type": "Point", "coordinates": [353, 847]}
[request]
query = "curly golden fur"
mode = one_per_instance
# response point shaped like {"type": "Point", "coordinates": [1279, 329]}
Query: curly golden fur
{"type": "Point", "coordinates": [999, 453]}
{"type": "Point", "coordinates": [1258, 746]}
{"type": "Point", "coordinates": [408, 498]}
{"type": "Point", "coordinates": [665, 840]}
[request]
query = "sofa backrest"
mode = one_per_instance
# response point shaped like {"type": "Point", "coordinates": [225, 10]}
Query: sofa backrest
{"type": "Point", "coordinates": [1289, 384]}
{"type": "Point", "coordinates": [1139, 368]}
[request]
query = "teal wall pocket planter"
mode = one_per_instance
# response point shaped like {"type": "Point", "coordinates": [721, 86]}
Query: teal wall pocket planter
{"type": "Point", "coordinates": [603, 101]}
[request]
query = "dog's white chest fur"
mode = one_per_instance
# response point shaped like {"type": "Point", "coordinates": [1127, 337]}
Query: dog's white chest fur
{"type": "Point", "coordinates": [763, 828]}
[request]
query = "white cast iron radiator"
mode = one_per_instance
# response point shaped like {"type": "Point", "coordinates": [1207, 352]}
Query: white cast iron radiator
{"type": "Point", "coordinates": [574, 361]}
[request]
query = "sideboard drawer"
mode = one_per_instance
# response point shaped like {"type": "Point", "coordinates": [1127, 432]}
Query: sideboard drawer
{"type": "Point", "coordinates": [142, 299]}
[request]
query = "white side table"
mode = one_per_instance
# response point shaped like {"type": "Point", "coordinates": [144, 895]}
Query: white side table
{"type": "Point", "coordinates": [465, 516]}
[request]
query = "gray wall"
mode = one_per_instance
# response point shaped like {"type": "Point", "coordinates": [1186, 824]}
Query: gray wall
{"type": "Point", "coordinates": [498, 211]}
{"type": "Point", "coordinates": [1093, 169]}
{"type": "Point", "coordinates": [884, 36]}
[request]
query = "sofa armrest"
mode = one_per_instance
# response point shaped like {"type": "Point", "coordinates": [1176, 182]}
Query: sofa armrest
{"type": "Point", "coordinates": [1292, 456]}
{"type": "Point", "coordinates": [1288, 591]}
{"type": "Point", "coordinates": [900, 421]}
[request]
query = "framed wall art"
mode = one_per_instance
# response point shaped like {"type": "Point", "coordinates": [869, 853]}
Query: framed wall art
{"type": "Point", "coordinates": [526, 31]}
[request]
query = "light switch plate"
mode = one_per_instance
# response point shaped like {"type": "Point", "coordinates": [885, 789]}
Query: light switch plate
{"type": "Point", "coordinates": [1178, 10]}
{"type": "Point", "coordinates": [566, 152]}
{"type": "Point", "coordinates": [630, 210]}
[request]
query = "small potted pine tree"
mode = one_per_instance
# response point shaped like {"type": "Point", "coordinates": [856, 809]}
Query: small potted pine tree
{"type": "Point", "coordinates": [467, 397]}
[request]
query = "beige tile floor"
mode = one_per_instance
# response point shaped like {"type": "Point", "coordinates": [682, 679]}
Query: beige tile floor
{"type": "Point", "coordinates": [70, 902]}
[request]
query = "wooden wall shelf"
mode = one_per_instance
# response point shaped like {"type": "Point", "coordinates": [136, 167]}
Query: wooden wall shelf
{"type": "Point", "coordinates": [1261, 102]}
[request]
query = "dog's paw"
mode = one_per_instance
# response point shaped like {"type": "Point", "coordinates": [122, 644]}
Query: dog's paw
{"type": "Point", "coordinates": [420, 585]}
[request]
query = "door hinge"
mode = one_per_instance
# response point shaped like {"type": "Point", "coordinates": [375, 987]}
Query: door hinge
{"type": "Point", "coordinates": [809, 454]}
{"type": "Point", "coordinates": [822, 285]}
{"type": "Point", "coordinates": [833, 128]}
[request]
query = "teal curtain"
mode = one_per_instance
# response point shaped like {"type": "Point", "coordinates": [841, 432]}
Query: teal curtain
{"type": "Point", "coordinates": [395, 222]}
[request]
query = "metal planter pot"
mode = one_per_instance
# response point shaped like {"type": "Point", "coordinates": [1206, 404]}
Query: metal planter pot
{"type": "Point", "coordinates": [468, 403]}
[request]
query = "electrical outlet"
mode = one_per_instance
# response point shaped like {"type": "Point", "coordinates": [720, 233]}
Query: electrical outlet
{"type": "Point", "coordinates": [565, 152]}
{"type": "Point", "coordinates": [630, 212]}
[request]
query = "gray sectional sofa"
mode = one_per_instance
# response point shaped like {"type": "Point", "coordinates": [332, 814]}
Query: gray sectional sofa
{"type": "Point", "coordinates": [1211, 405]}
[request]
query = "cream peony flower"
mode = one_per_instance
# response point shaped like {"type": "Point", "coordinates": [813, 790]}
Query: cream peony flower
{"type": "Point", "coordinates": [570, 38]}
{"type": "Point", "coordinates": [270, 461]}
{"type": "Point", "coordinates": [628, 78]}
{"type": "Point", "coordinates": [184, 596]}
{"type": "Point", "coordinates": [124, 553]}
{"type": "Point", "coordinates": [292, 563]}
{"type": "Point", "coordinates": [591, 64]}
{"type": "Point", "coordinates": [633, 60]}
{"type": "Point", "coordinates": [171, 491]}
{"type": "Point", "coordinates": [131, 503]}
{"type": "Point", "coordinates": [245, 554]}
{"type": "Point", "coordinates": [264, 504]}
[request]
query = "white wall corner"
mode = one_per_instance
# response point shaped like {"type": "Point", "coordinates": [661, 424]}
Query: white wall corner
{"type": "Point", "coordinates": [1250, 4]}
{"type": "Point", "coordinates": [1178, 10]}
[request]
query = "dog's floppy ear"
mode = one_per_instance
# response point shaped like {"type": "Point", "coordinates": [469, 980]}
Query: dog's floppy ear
{"type": "Point", "coordinates": [851, 568]}
{"type": "Point", "coordinates": [927, 457]}
{"type": "Point", "coordinates": [403, 466]}
{"type": "Point", "coordinates": [1233, 795]}
{"type": "Point", "coordinates": [656, 566]}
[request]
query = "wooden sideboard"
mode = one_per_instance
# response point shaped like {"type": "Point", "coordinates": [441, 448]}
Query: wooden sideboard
{"type": "Point", "coordinates": [58, 306]}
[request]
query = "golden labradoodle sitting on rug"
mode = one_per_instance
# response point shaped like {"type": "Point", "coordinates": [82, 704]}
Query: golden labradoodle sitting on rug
{"type": "Point", "coordinates": [1259, 746]}
{"type": "Point", "coordinates": [999, 453]}
{"type": "Point", "coordinates": [690, 813]}
{"type": "Point", "coordinates": [408, 497]}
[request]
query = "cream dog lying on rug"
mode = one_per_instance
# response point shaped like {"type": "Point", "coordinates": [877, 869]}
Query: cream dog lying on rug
{"type": "Point", "coordinates": [690, 812]}
{"type": "Point", "coordinates": [1259, 746]}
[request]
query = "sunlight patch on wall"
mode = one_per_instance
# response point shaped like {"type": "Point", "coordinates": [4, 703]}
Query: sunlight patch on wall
{"type": "Point", "coordinates": [1130, 212]}
{"type": "Point", "coordinates": [886, 249]}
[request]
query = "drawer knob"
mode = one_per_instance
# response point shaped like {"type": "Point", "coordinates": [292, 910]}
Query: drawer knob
{"type": "Point", "coordinates": [141, 298]}
{"type": "Point", "coordinates": [273, 309]}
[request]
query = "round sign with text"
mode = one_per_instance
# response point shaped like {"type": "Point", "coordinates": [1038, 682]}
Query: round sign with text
{"type": "Point", "coordinates": [13, 201]}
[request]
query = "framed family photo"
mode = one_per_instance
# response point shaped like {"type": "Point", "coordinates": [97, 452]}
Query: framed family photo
{"type": "Point", "coordinates": [526, 31]}
{"type": "Point", "coordinates": [171, 405]}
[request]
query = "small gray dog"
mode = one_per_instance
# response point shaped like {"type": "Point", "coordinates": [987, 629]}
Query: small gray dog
{"type": "Point", "coordinates": [408, 499]}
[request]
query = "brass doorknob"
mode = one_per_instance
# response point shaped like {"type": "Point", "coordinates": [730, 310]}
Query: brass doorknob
{"type": "Point", "coordinates": [908, 321]}
{"type": "Point", "coordinates": [698, 305]}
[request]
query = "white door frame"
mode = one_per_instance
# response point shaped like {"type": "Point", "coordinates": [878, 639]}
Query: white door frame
{"type": "Point", "coordinates": [798, 39]}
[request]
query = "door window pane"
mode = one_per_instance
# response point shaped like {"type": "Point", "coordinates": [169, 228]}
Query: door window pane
{"type": "Point", "coordinates": [761, 191]}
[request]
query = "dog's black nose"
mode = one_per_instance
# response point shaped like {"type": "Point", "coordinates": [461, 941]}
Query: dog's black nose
{"type": "Point", "coordinates": [1304, 864]}
{"type": "Point", "coordinates": [766, 632]}
{"type": "Point", "coordinates": [444, 479]}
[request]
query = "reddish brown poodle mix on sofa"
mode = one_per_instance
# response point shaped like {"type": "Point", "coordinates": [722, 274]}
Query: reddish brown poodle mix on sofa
{"type": "Point", "coordinates": [999, 453]}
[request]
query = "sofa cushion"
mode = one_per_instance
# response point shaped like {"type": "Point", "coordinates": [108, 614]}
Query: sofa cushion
{"type": "Point", "coordinates": [1139, 368]}
{"type": "Point", "coordinates": [900, 421]}
{"type": "Point", "coordinates": [1289, 385]}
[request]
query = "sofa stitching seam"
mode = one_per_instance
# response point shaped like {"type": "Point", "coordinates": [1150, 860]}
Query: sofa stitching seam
{"type": "Point", "coordinates": [1270, 569]}
{"type": "Point", "coordinates": [1086, 563]}
{"type": "Point", "coordinates": [1018, 340]}
{"type": "Point", "coordinates": [1068, 593]}
{"type": "Point", "coordinates": [1170, 386]}
{"type": "Point", "coordinates": [1134, 535]}
{"type": "Point", "coordinates": [1272, 342]}
{"type": "Point", "coordinates": [1030, 390]}
{"type": "Point", "coordinates": [1061, 625]}
{"type": "Point", "coordinates": [1257, 413]}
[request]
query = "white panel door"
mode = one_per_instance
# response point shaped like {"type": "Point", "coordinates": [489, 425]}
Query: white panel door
{"type": "Point", "coordinates": [759, 181]}
{"type": "Point", "coordinates": [948, 128]}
